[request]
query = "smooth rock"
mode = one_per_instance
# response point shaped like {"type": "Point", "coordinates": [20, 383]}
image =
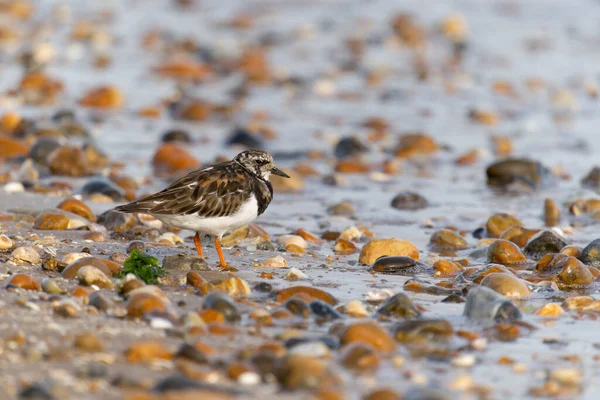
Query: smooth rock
{"type": "Point", "coordinates": [109, 268]}
{"type": "Point", "coordinates": [409, 201]}
{"type": "Point", "coordinates": [498, 223]}
{"type": "Point", "coordinates": [400, 265]}
{"type": "Point", "coordinates": [5, 243]}
{"type": "Point", "coordinates": [23, 281]}
{"type": "Point", "coordinates": [505, 252]}
{"type": "Point", "coordinates": [506, 172]}
{"type": "Point", "coordinates": [386, 247]}
{"type": "Point", "coordinates": [51, 222]}
{"type": "Point", "coordinates": [24, 255]}
{"type": "Point", "coordinates": [590, 254]}
{"type": "Point", "coordinates": [445, 239]}
{"type": "Point", "coordinates": [350, 147]}
{"type": "Point", "coordinates": [369, 333]}
{"type": "Point", "coordinates": [544, 242]}
{"type": "Point", "coordinates": [90, 275]}
{"type": "Point", "coordinates": [422, 331]}
{"type": "Point", "coordinates": [221, 302]}
{"type": "Point", "coordinates": [398, 306]}
{"type": "Point", "coordinates": [485, 305]}
{"type": "Point", "coordinates": [573, 275]}
{"type": "Point", "coordinates": [103, 187]}
{"type": "Point", "coordinates": [308, 291]}
{"type": "Point", "coordinates": [507, 285]}
{"type": "Point", "coordinates": [184, 262]}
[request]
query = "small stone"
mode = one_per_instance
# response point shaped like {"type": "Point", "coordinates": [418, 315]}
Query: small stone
{"type": "Point", "coordinates": [66, 309]}
{"type": "Point", "coordinates": [368, 333]}
{"type": "Point", "coordinates": [416, 145]}
{"type": "Point", "coordinates": [184, 262]}
{"type": "Point", "coordinates": [351, 234]}
{"type": "Point", "coordinates": [117, 221]}
{"type": "Point", "coordinates": [144, 303]}
{"type": "Point", "coordinates": [296, 275]}
{"type": "Point", "coordinates": [544, 242]}
{"type": "Point", "coordinates": [446, 269]}
{"type": "Point", "coordinates": [101, 301]}
{"type": "Point", "coordinates": [89, 341]}
{"type": "Point", "coordinates": [147, 351]}
{"type": "Point", "coordinates": [445, 239]}
{"type": "Point", "coordinates": [518, 235]}
{"type": "Point", "coordinates": [485, 305]}
{"type": "Point", "coordinates": [356, 309]}
{"type": "Point", "coordinates": [292, 240]}
{"type": "Point", "coordinates": [52, 222]}
{"type": "Point", "coordinates": [324, 311]}
{"type": "Point", "coordinates": [303, 372]}
{"type": "Point", "coordinates": [498, 223]}
{"type": "Point", "coordinates": [173, 160]}
{"type": "Point", "coordinates": [51, 287]}
{"type": "Point", "coordinates": [344, 208]}
{"type": "Point", "coordinates": [99, 237]}
{"type": "Point", "coordinates": [409, 201]}
{"type": "Point", "coordinates": [5, 243]}
{"type": "Point", "coordinates": [273, 262]}
{"type": "Point", "coordinates": [360, 357]}
{"type": "Point", "coordinates": [399, 265]}
{"type": "Point", "coordinates": [507, 285]}
{"type": "Point", "coordinates": [551, 213]}
{"type": "Point", "coordinates": [109, 268]}
{"type": "Point", "coordinates": [422, 331]}
{"type": "Point", "coordinates": [505, 252]}
{"type": "Point", "coordinates": [36, 391]}
{"type": "Point", "coordinates": [23, 281]}
{"type": "Point", "coordinates": [550, 310]}
{"type": "Point", "coordinates": [398, 306]}
{"type": "Point", "coordinates": [573, 275]}
{"type": "Point", "coordinates": [590, 255]}
{"type": "Point", "coordinates": [234, 287]}
{"type": "Point", "coordinates": [508, 171]}
{"type": "Point", "coordinates": [221, 302]}
{"type": "Point", "coordinates": [350, 147]}
{"type": "Point", "coordinates": [103, 187]}
{"type": "Point", "coordinates": [344, 247]}
{"type": "Point", "coordinates": [108, 97]}
{"type": "Point", "coordinates": [386, 247]}
{"type": "Point", "coordinates": [293, 184]}
{"type": "Point", "coordinates": [90, 275]}
{"type": "Point", "coordinates": [308, 291]}
{"type": "Point", "coordinates": [383, 394]}
{"type": "Point", "coordinates": [78, 207]}
{"type": "Point", "coordinates": [136, 245]}
{"type": "Point", "coordinates": [592, 179]}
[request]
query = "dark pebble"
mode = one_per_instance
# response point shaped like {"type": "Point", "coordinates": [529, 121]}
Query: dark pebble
{"type": "Point", "coordinates": [117, 221]}
{"type": "Point", "coordinates": [512, 170]}
{"type": "Point", "coordinates": [64, 116]}
{"type": "Point", "coordinates": [180, 382]}
{"type": "Point", "coordinates": [422, 330]}
{"type": "Point", "coordinates": [400, 265]}
{"type": "Point", "coordinates": [454, 298]}
{"type": "Point", "coordinates": [244, 138]}
{"type": "Point", "coordinates": [94, 370]}
{"type": "Point", "coordinates": [544, 242]}
{"type": "Point", "coordinates": [330, 341]}
{"type": "Point", "coordinates": [263, 287]}
{"type": "Point", "coordinates": [590, 255]}
{"type": "Point", "coordinates": [324, 310]}
{"type": "Point", "coordinates": [190, 352]}
{"type": "Point", "coordinates": [350, 147]}
{"type": "Point", "coordinates": [176, 135]}
{"type": "Point", "coordinates": [592, 179]}
{"type": "Point", "coordinates": [297, 307]}
{"type": "Point", "coordinates": [409, 201]}
{"type": "Point", "coordinates": [104, 187]}
{"type": "Point", "coordinates": [221, 302]}
{"type": "Point", "coordinates": [36, 391]}
{"type": "Point", "coordinates": [398, 306]}
{"type": "Point", "coordinates": [101, 301]}
{"type": "Point", "coordinates": [42, 148]}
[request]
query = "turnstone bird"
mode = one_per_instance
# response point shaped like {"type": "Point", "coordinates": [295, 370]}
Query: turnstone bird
{"type": "Point", "coordinates": [214, 200]}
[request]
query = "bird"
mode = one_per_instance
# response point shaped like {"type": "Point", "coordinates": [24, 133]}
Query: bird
{"type": "Point", "coordinates": [214, 200]}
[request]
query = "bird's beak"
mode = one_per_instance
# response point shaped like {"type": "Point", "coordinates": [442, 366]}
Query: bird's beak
{"type": "Point", "coordinates": [278, 172]}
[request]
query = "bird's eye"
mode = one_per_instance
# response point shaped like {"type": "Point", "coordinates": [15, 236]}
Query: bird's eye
{"type": "Point", "coordinates": [262, 162]}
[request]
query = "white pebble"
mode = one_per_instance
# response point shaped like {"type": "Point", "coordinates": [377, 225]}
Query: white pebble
{"type": "Point", "coordinates": [14, 187]}
{"type": "Point", "coordinates": [464, 361]}
{"type": "Point", "coordinates": [295, 275]}
{"type": "Point", "coordinates": [5, 242]}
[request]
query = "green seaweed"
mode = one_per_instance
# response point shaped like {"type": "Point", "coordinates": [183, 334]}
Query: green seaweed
{"type": "Point", "coordinates": [143, 266]}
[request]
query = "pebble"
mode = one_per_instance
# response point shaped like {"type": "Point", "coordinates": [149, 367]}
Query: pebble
{"type": "Point", "coordinates": [345, 208]}
{"type": "Point", "coordinates": [544, 242]}
{"type": "Point", "coordinates": [350, 147]}
{"type": "Point", "coordinates": [409, 201]}
{"type": "Point", "coordinates": [224, 304]}
{"type": "Point", "coordinates": [102, 187]}
{"type": "Point", "coordinates": [51, 222]}
{"type": "Point", "coordinates": [23, 281]}
{"type": "Point", "coordinates": [399, 265]}
{"type": "Point", "coordinates": [446, 269]}
{"type": "Point", "coordinates": [398, 306]}
{"type": "Point", "coordinates": [360, 357]}
{"type": "Point", "coordinates": [445, 239]}
{"type": "Point", "coordinates": [90, 275]}
{"type": "Point", "coordinates": [422, 331]}
{"type": "Point", "coordinates": [549, 310]}
{"type": "Point", "coordinates": [5, 243]}
{"type": "Point", "coordinates": [369, 333]}
{"type": "Point", "coordinates": [273, 262]}
{"type": "Point", "coordinates": [117, 221]}
{"type": "Point", "coordinates": [324, 311]}
{"type": "Point", "coordinates": [507, 285]}
{"type": "Point", "coordinates": [234, 287]}
{"type": "Point", "coordinates": [590, 254]}
{"type": "Point", "coordinates": [355, 309]}
{"type": "Point", "coordinates": [172, 160]}
{"type": "Point", "coordinates": [25, 255]}
{"type": "Point", "coordinates": [486, 305]}
{"type": "Point", "coordinates": [518, 235]}
{"type": "Point", "coordinates": [551, 213]}
{"type": "Point", "coordinates": [574, 274]}
{"type": "Point", "coordinates": [51, 287]}
{"type": "Point", "coordinates": [508, 171]}
{"type": "Point", "coordinates": [498, 223]}
{"type": "Point", "coordinates": [147, 351]}
{"type": "Point", "coordinates": [298, 372]}
{"type": "Point", "coordinates": [295, 240]}
{"type": "Point", "coordinates": [109, 268]}
{"type": "Point", "coordinates": [296, 275]}
{"type": "Point", "coordinates": [504, 252]}
{"type": "Point", "coordinates": [89, 341]}
{"type": "Point", "coordinates": [143, 303]}
{"type": "Point", "coordinates": [106, 97]}
{"type": "Point", "coordinates": [101, 301]}
{"type": "Point", "coordinates": [386, 247]}
{"type": "Point", "coordinates": [136, 245]}
{"type": "Point", "coordinates": [78, 207]}
{"type": "Point", "coordinates": [66, 309]}
{"type": "Point", "coordinates": [307, 291]}
{"type": "Point", "coordinates": [184, 262]}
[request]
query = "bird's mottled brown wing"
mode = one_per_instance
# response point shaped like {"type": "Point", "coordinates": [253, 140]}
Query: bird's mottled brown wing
{"type": "Point", "coordinates": [215, 191]}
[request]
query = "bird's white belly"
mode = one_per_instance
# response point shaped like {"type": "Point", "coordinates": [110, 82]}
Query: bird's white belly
{"type": "Point", "coordinates": [214, 226]}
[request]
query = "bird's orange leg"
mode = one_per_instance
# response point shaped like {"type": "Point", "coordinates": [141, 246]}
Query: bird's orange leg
{"type": "Point", "coordinates": [220, 252]}
{"type": "Point", "coordinates": [198, 244]}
